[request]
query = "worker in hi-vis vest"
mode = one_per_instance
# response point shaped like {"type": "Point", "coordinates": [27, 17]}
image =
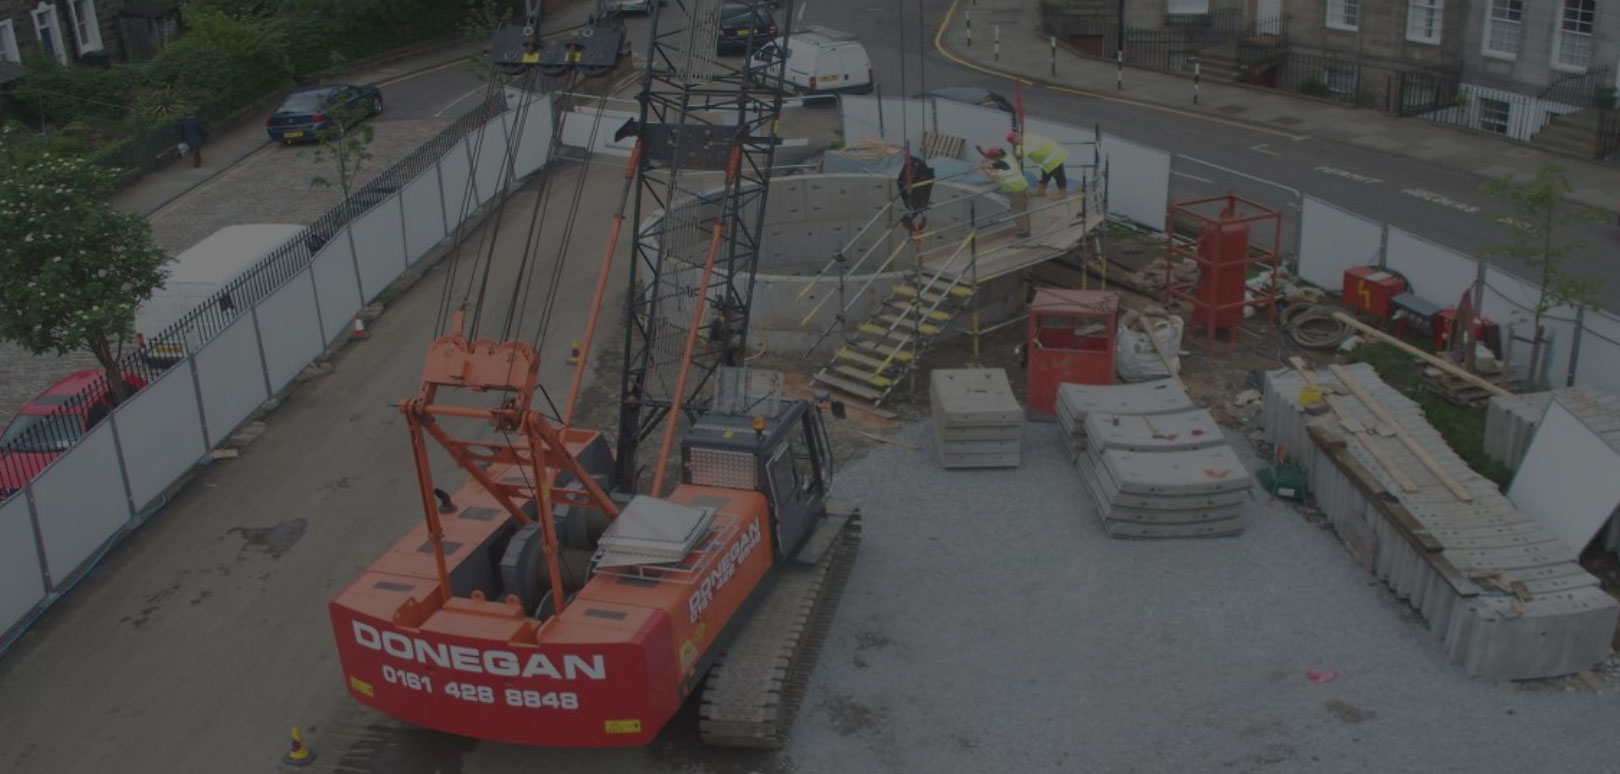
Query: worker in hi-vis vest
{"type": "Point", "coordinates": [1049, 155]}
{"type": "Point", "coordinates": [1010, 178]}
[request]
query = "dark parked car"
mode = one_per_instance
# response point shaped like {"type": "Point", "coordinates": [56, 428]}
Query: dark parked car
{"type": "Point", "coordinates": [311, 109]}
{"type": "Point", "coordinates": [744, 27]}
{"type": "Point", "coordinates": [53, 422]}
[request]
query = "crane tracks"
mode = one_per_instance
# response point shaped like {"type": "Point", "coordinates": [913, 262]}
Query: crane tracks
{"type": "Point", "coordinates": [753, 692]}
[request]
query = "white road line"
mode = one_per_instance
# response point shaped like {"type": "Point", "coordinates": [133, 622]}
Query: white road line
{"type": "Point", "coordinates": [1346, 174]}
{"type": "Point", "coordinates": [801, 11]}
{"type": "Point", "coordinates": [408, 76]}
{"type": "Point", "coordinates": [1193, 177]}
{"type": "Point", "coordinates": [470, 92]}
{"type": "Point", "coordinates": [1440, 199]}
{"type": "Point", "coordinates": [1261, 148]}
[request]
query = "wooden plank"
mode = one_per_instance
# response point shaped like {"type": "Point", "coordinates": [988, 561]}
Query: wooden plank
{"type": "Point", "coordinates": [1371, 443]}
{"type": "Point", "coordinates": [1423, 455]}
{"type": "Point", "coordinates": [1494, 389]}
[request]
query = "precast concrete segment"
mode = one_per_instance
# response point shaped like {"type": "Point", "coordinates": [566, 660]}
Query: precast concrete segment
{"type": "Point", "coordinates": [1108, 487]}
{"type": "Point", "coordinates": [1162, 396]}
{"type": "Point", "coordinates": [1195, 471]}
{"type": "Point", "coordinates": [976, 419]}
{"type": "Point", "coordinates": [1179, 431]}
{"type": "Point", "coordinates": [1506, 600]}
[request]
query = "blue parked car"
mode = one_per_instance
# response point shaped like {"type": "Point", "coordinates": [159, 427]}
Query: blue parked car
{"type": "Point", "coordinates": [312, 108]}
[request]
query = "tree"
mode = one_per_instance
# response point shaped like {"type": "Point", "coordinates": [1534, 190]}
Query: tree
{"type": "Point", "coordinates": [345, 142]}
{"type": "Point", "coordinates": [1537, 211]}
{"type": "Point", "coordinates": [76, 269]}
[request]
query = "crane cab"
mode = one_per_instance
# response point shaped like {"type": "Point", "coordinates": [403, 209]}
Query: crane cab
{"type": "Point", "coordinates": [779, 450]}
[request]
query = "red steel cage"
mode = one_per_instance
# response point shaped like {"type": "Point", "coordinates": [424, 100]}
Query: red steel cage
{"type": "Point", "coordinates": [1228, 235]}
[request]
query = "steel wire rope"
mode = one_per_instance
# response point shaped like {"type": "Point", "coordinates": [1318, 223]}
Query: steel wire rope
{"type": "Point", "coordinates": [447, 294]}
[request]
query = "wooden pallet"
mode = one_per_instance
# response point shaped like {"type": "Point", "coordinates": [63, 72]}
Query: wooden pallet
{"type": "Point", "coordinates": [1457, 390]}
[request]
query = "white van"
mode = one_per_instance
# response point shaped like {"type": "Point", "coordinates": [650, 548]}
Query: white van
{"type": "Point", "coordinates": [821, 60]}
{"type": "Point", "coordinates": [199, 274]}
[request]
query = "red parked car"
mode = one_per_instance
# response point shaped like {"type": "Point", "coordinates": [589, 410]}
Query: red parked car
{"type": "Point", "coordinates": [53, 422]}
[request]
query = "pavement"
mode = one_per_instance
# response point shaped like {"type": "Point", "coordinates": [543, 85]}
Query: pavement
{"type": "Point", "coordinates": [1026, 55]}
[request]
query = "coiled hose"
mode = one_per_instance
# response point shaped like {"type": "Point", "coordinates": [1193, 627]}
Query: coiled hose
{"type": "Point", "coordinates": [1313, 326]}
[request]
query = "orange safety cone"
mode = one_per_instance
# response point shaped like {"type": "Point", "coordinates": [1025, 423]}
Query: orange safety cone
{"type": "Point", "coordinates": [358, 331]}
{"type": "Point", "coordinates": [299, 755]}
{"type": "Point", "coordinates": [573, 353]}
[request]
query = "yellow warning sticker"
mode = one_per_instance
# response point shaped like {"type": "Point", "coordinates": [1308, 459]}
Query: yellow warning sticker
{"type": "Point", "coordinates": [361, 686]}
{"type": "Point", "coordinates": [531, 57]}
{"type": "Point", "coordinates": [623, 726]}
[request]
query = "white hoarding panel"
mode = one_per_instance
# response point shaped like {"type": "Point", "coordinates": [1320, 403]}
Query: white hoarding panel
{"type": "Point", "coordinates": [289, 330]}
{"type": "Point", "coordinates": [335, 286]}
{"type": "Point", "coordinates": [161, 432]}
{"type": "Point", "coordinates": [1599, 363]}
{"type": "Point", "coordinates": [379, 243]}
{"type": "Point", "coordinates": [1566, 481]}
{"type": "Point", "coordinates": [901, 120]}
{"type": "Point", "coordinates": [1332, 240]}
{"type": "Point", "coordinates": [535, 143]}
{"type": "Point", "coordinates": [230, 378]}
{"type": "Point", "coordinates": [22, 586]}
{"type": "Point", "coordinates": [80, 503]}
{"type": "Point", "coordinates": [582, 129]}
{"type": "Point", "coordinates": [1436, 274]}
{"type": "Point", "coordinates": [986, 127]}
{"type": "Point", "coordinates": [490, 159]}
{"type": "Point", "coordinates": [455, 172]}
{"type": "Point", "coordinates": [424, 215]}
{"type": "Point", "coordinates": [1138, 182]}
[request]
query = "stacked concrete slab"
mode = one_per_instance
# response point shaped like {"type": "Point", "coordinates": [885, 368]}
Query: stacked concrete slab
{"type": "Point", "coordinates": [977, 421]}
{"type": "Point", "coordinates": [1505, 597]}
{"type": "Point", "coordinates": [1510, 420]}
{"type": "Point", "coordinates": [1156, 467]}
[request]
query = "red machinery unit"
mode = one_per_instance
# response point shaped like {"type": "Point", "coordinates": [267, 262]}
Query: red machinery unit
{"type": "Point", "coordinates": [1231, 234]}
{"type": "Point", "coordinates": [1485, 331]}
{"type": "Point", "coordinates": [1071, 339]}
{"type": "Point", "coordinates": [1370, 289]}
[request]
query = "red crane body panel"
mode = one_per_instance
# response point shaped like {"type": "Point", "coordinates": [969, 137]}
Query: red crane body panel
{"type": "Point", "coordinates": [610, 670]}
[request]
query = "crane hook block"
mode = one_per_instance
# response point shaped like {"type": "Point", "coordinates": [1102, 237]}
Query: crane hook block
{"type": "Point", "coordinates": [595, 50]}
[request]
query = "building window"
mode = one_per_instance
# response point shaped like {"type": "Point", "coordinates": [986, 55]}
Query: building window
{"type": "Point", "coordinates": [1344, 14]}
{"type": "Point", "coordinates": [86, 25]}
{"type": "Point", "coordinates": [1423, 20]}
{"type": "Point", "coordinates": [1494, 115]}
{"type": "Point", "coordinates": [8, 43]}
{"type": "Point", "coordinates": [1341, 81]}
{"type": "Point", "coordinates": [1188, 7]}
{"type": "Point", "coordinates": [49, 29]}
{"type": "Point", "coordinates": [1575, 25]}
{"type": "Point", "coordinates": [1504, 27]}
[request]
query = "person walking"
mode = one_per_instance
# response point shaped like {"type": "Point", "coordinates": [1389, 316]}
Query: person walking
{"type": "Point", "coordinates": [1010, 178]}
{"type": "Point", "coordinates": [1045, 153]}
{"type": "Point", "coordinates": [192, 135]}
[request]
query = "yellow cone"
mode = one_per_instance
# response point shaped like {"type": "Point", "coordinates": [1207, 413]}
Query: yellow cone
{"type": "Point", "coordinates": [298, 755]}
{"type": "Point", "coordinates": [573, 353]}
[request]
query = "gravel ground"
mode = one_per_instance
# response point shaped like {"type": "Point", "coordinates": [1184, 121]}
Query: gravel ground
{"type": "Point", "coordinates": [990, 626]}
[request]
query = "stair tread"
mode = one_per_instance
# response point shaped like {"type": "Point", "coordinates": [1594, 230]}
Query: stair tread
{"type": "Point", "coordinates": [904, 322]}
{"type": "Point", "coordinates": [877, 364]}
{"type": "Point", "coordinates": [874, 379]}
{"type": "Point", "coordinates": [898, 349]}
{"type": "Point", "coordinates": [858, 390]}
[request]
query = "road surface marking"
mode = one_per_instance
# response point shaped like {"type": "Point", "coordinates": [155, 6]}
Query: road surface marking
{"type": "Point", "coordinates": [1347, 174]}
{"type": "Point", "coordinates": [1261, 148]}
{"type": "Point", "coordinates": [939, 45]}
{"type": "Point", "coordinates": [452, 103]}
{"type": "Point", "coordinates": [1440, 199]}
{"type": "Point", "coordinates": [801, 11]}
{"type": "Point", "coordinates": [1194, 177]}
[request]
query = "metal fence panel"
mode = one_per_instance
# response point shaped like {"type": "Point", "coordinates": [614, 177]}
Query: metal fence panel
{"type": "Point", "coordinates": [80, 502]}
{"type": "Point", "coordinates": [424, 215]}
{"type": "Point", "coordinates": [1138, 182]}
{"type": "Point", "coordinates": [379, 245]}
{"type": "Point", "coordinates": [534, 147]}
{"type": "Point", "coordinates": [22, 585]}
{"type": "Point", "coordinates": [581, 129]}
{"type": "Point", "coordinates": [1511, 302]}
{"type": "Point", "coordinates": [1599, 362]}
{"type": "Point", "coordinates": [1332, 240]}
{"type": "Point", "coordinates": [335, 286]}
{"type": "Point", "coordinates": [162, 435]}
{"type": "Point", "coordinates": [289, 330]}
{"type": "Point", "coordinates": [489, 148]}
{"type": "Point", "coordinates": [455, 170]}
{"type": "Point", "coordinates": [895, 120]}
{"type": "Point", "coordinates": [1438, 274]}
{"type": "Point", "coordinates": [231, 378]}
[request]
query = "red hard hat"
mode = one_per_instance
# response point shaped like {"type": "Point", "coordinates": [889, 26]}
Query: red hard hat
{"type": "Point", "coordinates": [1012, 137]}
{"type": "Point", "coordinates": [993, 153]}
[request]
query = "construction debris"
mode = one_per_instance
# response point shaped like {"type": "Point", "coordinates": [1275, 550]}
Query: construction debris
{"type": "Point", "coordinates": [1437, 551]}
{"type": "Point", "coordinates": [977, 421]}
{"type": "Point", "coordinates": [1155, 466]}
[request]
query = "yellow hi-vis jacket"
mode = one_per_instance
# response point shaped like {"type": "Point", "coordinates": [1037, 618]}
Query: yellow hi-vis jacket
{"type": "Point", "coordinates": [1010, 177]}
{"type": "Point", "coordinates": [1044, 152]}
